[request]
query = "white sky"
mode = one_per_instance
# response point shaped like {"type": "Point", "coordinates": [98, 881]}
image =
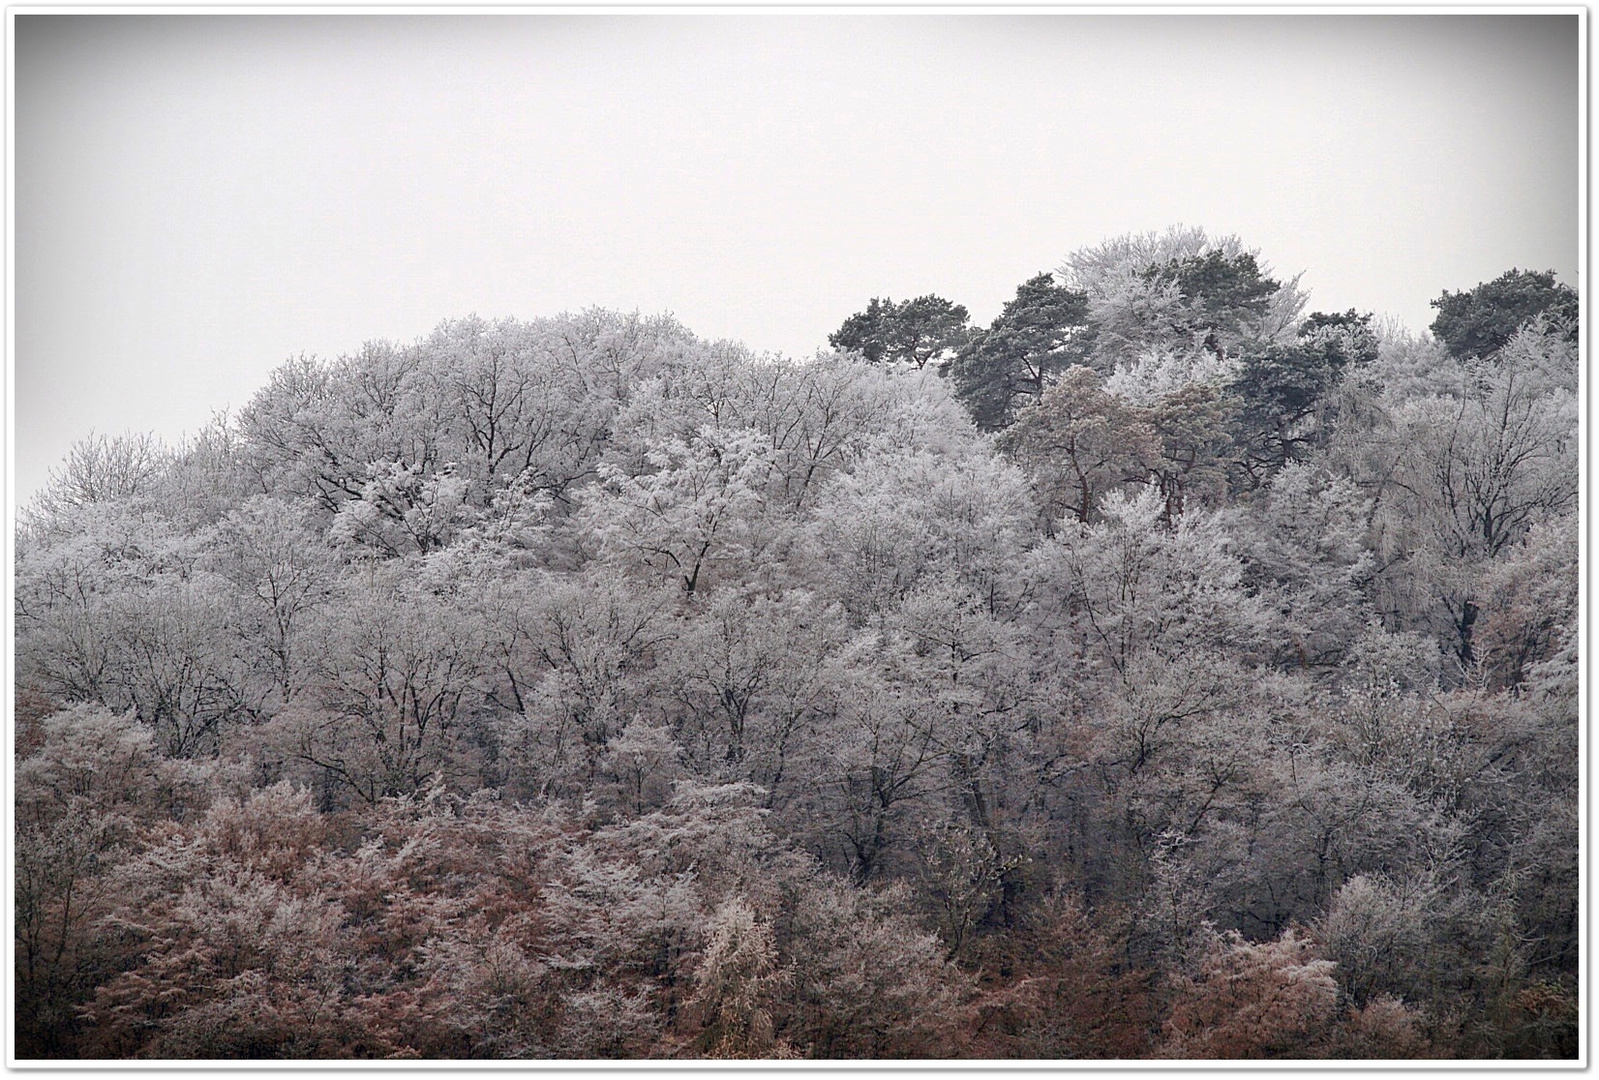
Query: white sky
{"type": "Point", "coordinates": [198, 198]}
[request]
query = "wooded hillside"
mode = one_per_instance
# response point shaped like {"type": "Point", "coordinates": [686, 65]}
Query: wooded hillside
{"type": "Point", "coordinates": [1160, 671]}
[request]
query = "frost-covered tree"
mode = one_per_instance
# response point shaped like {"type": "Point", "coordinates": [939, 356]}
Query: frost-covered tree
{"type": "Point", "coordinates": [701, 505]}
{"type": "Point", "coordinates": [1080, 443]}
{"type": "Point", "coordinates": [1175, 307]}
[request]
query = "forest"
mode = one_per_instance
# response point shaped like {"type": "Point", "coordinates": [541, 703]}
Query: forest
{"type": "Point", "coordinates": [1160, 671]}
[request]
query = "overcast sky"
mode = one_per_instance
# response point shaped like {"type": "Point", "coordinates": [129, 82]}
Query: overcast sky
{"type": "Point", "coordinates": [197, 198]}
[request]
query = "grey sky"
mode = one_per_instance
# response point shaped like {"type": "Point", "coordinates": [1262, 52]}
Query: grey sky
{"type": "Point", "coordinates": [199, 197]}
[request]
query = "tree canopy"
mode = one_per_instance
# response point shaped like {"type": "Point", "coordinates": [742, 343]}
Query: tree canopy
{"type": "Point", "coordinates": [1479, 322]}
{"type": "Point", "coordinates": [1036, 335]}
{"type": "Point", "coordinates": [1176, 675]}
{"type": "Point", "coordinates": [928, 329]}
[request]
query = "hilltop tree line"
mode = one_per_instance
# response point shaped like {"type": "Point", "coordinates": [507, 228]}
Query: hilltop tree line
{"type": "Point", "coordinates": [1160, 671]}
